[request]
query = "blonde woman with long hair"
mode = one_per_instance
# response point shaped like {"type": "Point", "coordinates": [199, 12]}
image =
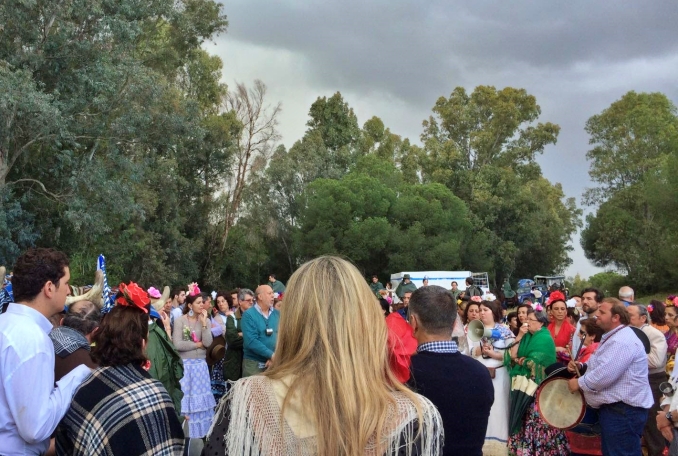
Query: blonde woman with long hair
{"type": "Point", "coordinates": [330, 390]}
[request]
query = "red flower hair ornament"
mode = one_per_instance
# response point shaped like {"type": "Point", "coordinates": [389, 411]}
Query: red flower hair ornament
{"type": "Point", "coordinates": [556, 296]}
{"type": "Point", "coordinates": [133, 296]}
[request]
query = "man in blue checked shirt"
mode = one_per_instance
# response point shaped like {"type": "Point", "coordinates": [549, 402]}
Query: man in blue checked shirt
{"type": "Point", "coordinates": [615, 381]}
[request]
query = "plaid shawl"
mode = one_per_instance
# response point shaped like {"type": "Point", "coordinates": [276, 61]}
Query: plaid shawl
{"type": "Point", "coordinates": [67, 340]}
{"type": "Point", "coordinates": [120, 410]}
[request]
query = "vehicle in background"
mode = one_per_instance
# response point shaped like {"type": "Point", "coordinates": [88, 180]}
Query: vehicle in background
{"type": "Point", "coordinates": [443, 279]}
{"type": "Point", "coordinates": [542, 283]}
{"type": "Point", "coordinates": [546, 282]}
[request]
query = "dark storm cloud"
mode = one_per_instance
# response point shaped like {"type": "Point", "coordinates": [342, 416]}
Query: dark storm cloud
{"type": "Point", "coordinates": [412, 48]}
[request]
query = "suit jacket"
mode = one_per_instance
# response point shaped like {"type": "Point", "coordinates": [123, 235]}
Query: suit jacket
{"type": "Point", "coordinates": [656, 359]}
{"type": "Point", "coordinates": [461, 388]}
{"type": "Point", "coordinates": [233, 358]}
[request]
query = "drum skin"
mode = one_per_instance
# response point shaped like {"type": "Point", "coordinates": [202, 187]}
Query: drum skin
{"type": "Point", "coordinates": [557, 406]}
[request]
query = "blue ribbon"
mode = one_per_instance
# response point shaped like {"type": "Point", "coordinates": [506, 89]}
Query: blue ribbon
{"type": "Point", "coordinates": [108, 299]}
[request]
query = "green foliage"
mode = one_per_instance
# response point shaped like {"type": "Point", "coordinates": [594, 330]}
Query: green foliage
{"type": "Point", "coordinates": [380, 227]}
{"type": "Point", "coordinates": [17, 229]}
{"type": "Point", "coordinates": [630, 139]}
{"type": "Point", "coordinates": [487, 127]}
{"type": "Point", "coordinates": [576, 284]}
{"type": "Point", "coordinates": [634, 162]}
{"type": "Point", "coordinates": [27, 114]}
{"type": "Point", "coordinates": [335, 121]}
{"type": "Point", "coordinates": [483, 147]}
{"type": "Point", "coordinates": [118, 139]}
{"type": "Point", "coordinates": [608, 282]}
{"type": "Point", "coordinates": [124, 141]}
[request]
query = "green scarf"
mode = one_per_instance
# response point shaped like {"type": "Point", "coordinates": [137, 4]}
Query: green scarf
{"type": "Point", "coordinates": [539, 352]}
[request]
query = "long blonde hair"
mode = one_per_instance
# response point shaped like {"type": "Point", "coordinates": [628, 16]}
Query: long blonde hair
{"type": "Point", "coordinates": [333, 341]}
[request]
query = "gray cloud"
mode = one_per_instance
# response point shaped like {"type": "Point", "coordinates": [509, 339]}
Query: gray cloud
{"type": "Point", "coordinates": [393, 59]}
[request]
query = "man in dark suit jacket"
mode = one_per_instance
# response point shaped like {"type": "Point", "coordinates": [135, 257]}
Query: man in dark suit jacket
{"type": "Point", "coordinates": [458, 385]}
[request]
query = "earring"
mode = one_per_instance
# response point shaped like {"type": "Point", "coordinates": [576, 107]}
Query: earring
{"type": "Point", "coordinates": [191, 313]}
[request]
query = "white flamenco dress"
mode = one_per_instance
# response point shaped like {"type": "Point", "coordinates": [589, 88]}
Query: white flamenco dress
{"type": "Point", "coordinates": [496, 437]}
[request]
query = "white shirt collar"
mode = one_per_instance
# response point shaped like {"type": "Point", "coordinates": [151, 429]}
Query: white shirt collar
{"type": "Point", "coordinates": [28, 311]}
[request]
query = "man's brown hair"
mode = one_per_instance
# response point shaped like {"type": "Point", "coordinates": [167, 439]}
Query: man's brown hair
{"type": "Point", "coordinates": [34, 269]}
{"type": "Point", "coordinates": [618, 308]}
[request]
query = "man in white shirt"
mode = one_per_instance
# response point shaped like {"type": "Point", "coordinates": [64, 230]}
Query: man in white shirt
{"type": "Point", "coordinates": [591, 299]}
{"type": "Point", "coordinates": [30, 406]}
{"type": "Point", "coordinates": [178, 300]}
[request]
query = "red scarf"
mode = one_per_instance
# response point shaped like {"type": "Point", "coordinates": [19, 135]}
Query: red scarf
{"type": "Point", "coordinates": [564, 337]}
{"type": "Point", "coordinates": [401, 345]}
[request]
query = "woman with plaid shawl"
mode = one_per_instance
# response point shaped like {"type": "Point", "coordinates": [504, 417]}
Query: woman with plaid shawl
{"type": "Point", "coordinates": [120, 409]}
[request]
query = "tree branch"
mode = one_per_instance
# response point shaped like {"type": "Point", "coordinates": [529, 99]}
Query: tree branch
{"type": "Point", "coordinates": [46, 192]}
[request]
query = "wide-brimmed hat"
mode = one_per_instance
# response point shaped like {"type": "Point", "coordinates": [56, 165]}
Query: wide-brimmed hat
{"type": "Point", "coordinates": [216, 351]}
{"type": "Point", "coordinates": [406, 276]}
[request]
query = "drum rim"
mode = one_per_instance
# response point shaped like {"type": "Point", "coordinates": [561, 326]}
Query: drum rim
{"type": "Point", "coordinates": [581, 413]}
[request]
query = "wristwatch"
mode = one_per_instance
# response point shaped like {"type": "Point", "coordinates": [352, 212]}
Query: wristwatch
{"type": "Point", "coordinates": [669, 416]}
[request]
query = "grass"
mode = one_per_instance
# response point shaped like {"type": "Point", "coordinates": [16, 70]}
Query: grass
{"type": "Point", "coordinates": [658, 296]}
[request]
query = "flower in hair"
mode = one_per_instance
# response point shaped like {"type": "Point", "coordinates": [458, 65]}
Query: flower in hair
{"type": "Point", "coordinates": [556, 296]}
{"type": "Point", "coordinates": [489, 297]}
{"type": "Point", "coordinates": [650, 308]}
{"type": "Point", "coordinates": [132, 295]}
{"type": "Point", "coordinates": [154, 293]}
{"type": "Point", "coordinates": [193, 289]}
{"type": "Point", "coordinates": [476, 299]}
{"type": "Point", "coordinates": [538, 307]}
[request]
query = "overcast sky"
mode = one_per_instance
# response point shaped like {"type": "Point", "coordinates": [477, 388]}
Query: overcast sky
{"type": "Point", "coordinates": [393, 59]}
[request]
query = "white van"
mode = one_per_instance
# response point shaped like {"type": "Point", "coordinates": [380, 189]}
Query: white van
{"type": "Point", "coordinates": [443, 279]}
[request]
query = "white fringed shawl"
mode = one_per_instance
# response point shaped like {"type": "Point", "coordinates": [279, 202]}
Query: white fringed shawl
{"type": "Point", "coordinates": [254, 425]}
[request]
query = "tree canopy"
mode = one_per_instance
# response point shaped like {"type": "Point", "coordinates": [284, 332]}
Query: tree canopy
{"type": "Point", "coordinates": [634, 160]}
{"type": "Point", "coordinates": [119, 137]}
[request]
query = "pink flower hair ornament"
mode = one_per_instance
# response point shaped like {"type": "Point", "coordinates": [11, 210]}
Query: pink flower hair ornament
{"type": "Point", "coordinates": [650, 308]}
{"type": "Point", "coordinates": [538, 307]}
{"type": "Point", "coordinates": [154, 293]}
{"type": "Point", "coordinates": [476, 299]}
{"type": "Point", "coordinates": [193, 289]}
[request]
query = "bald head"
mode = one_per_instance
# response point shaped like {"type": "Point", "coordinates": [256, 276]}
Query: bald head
{"type": "Point", "coordinates": [626, 294]}
{"type": "Point", "coordinates": [264, 295]}
{"type": "Point", "coordinates": [82, 307]}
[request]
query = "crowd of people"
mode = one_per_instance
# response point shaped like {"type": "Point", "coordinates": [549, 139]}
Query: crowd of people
{"type": "Point", "coordinates": [329, 365]}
